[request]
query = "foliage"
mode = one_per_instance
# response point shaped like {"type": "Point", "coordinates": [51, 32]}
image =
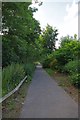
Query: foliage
{"type": "Point", "coordinates": [20, 30]}
{"type": "Point", "coordinates": [68, 51]}
{"type": "Point", "coordinates": [71, 47]}
{"type": "Point", "coordinates": [19, 42]}
{"type": "Point", "coordinates": [65, 40]}
{"type": "Point", "coordinates": [12, 75]}
{"type": "Point", "coordinates": [29, 68]}
{"type": "Point", "coordinates": [46, 63]}
{"type": "Point", "coordinates": [51, 61]}
{"type": "Point", "coordinates": [47, 60]}
{"type": "Point", "coordinates": [49, 71]}
{"type": "Point", "coordinates": [49, 37]}
{"type": "Point", "coordinates": [18, 18]}
{"type": "Point", "coordinates": [66, 59]}
{"type": "Point", "coordinates": [23, 43]}
{"type": "Point", "coordinates": [13, 50]}
{"type": "Point", "coordinates": [73, 68]}
{"type": "Point", "coordinates": [75, 79]}
{"type": "Point", "coordinates": [53, 64]}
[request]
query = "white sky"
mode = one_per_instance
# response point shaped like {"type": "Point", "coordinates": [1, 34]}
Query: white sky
{"type": "Point", "coordinates": [60, 14]}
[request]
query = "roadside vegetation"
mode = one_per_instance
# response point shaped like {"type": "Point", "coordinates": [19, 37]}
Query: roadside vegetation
{"type": "Point", "coordinates": [63, 81]}
{"type": "Point", "coordinates": [19, 53]}
{"type": "Point", "coordinates": [19, 47]}
{"type": "Point", "coordinates": [66, 59]}
{"type": "Point", "coordinates": [63, 64]}
{"type": "Point", "coordinates": [24, 45]}
{"type": "Point", "coordinates": [12, 106]}
{"type": "Point", "coordinates": [14, 73]}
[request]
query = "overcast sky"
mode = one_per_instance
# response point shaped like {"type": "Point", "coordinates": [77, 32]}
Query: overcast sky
{"type": "Point", "coordinates": [62, 14]}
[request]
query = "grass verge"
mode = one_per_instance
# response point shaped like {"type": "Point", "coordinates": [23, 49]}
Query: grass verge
{"type": "Point", "coordinates": [63, 81]}
{"type": "Point", "coordinates": [11, 107]}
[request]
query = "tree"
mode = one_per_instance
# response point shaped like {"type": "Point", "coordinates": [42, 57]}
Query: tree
{"type": "Point", "coordinates": [18, 19]}
{"type": "Point", "coordinates": [22, 31]}
{"type": "Point", "coordinates": [68, 51]}
{"type": "Point", "coordinates": [49, 36]}
{"type": "Point", "coordinates": [65, 40]}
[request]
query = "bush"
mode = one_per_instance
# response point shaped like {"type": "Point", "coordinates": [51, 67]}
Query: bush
{"type": "Point", "coordinates": [75, 79]}
{"type": "Point", "coordinates": [11, 76]}
{"type": "Point", "coordinates": [53, 64]}
{"type": "Point", "coordinates": [29, 68]}
{"type": "Point", "coordinates": [46, 62]}
{"type": "Point", "coordinates": [68, 51]}
{"type": "Point", "coordinates": [73, 68]}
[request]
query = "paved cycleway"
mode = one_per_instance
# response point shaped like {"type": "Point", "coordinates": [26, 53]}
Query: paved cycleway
{"type": "Point", "coordinates": [45, 99]}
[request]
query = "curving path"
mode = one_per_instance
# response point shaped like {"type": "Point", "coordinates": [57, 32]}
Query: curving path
{"type": "Point", "coordinates": [45, 99]}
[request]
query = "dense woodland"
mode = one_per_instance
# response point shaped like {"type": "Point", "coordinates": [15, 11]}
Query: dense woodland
{"type": "Point", "coordinates": [24, 44]}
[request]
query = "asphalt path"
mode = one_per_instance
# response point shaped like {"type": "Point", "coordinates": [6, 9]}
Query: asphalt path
{"type": "Point", "coordinates": [45, 99]}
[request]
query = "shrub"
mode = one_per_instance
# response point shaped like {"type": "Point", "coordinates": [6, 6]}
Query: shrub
{"type": "Point", "coordinates": [11, 76]}
{"type": "Point", "coordinates": [53, 64]}
{"type": "Point", "coordinates": [73, 68]}
{"type": "Point", "coordinates": [68, 51]}
{"type": "Point", "coordinates": [46, 62]}
{"type": "Point", "coordinates": [75, 79]}
{"type": "Point", "coordinates": [29, 68]}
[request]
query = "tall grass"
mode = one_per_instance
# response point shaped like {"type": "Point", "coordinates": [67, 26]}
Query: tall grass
{"type": "Point", "coordinates": [29, 69]}
{"type": "Point", "coordinates": [11, 76]}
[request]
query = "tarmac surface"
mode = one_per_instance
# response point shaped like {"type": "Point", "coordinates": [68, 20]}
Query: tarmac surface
{"type": "Point", "coordinates": [45, 99]}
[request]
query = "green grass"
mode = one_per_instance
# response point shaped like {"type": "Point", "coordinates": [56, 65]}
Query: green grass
{"type": "Point", "coordinates": [13, 74]}
{"type": "Point", "coordinates": [11, 77]}
{"type": "Point", "coordinates": [13, 105]}
{"type": "Point", "coordinates": [64, 81]}
{"type": "Point", "coordinates": [49, 71]}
